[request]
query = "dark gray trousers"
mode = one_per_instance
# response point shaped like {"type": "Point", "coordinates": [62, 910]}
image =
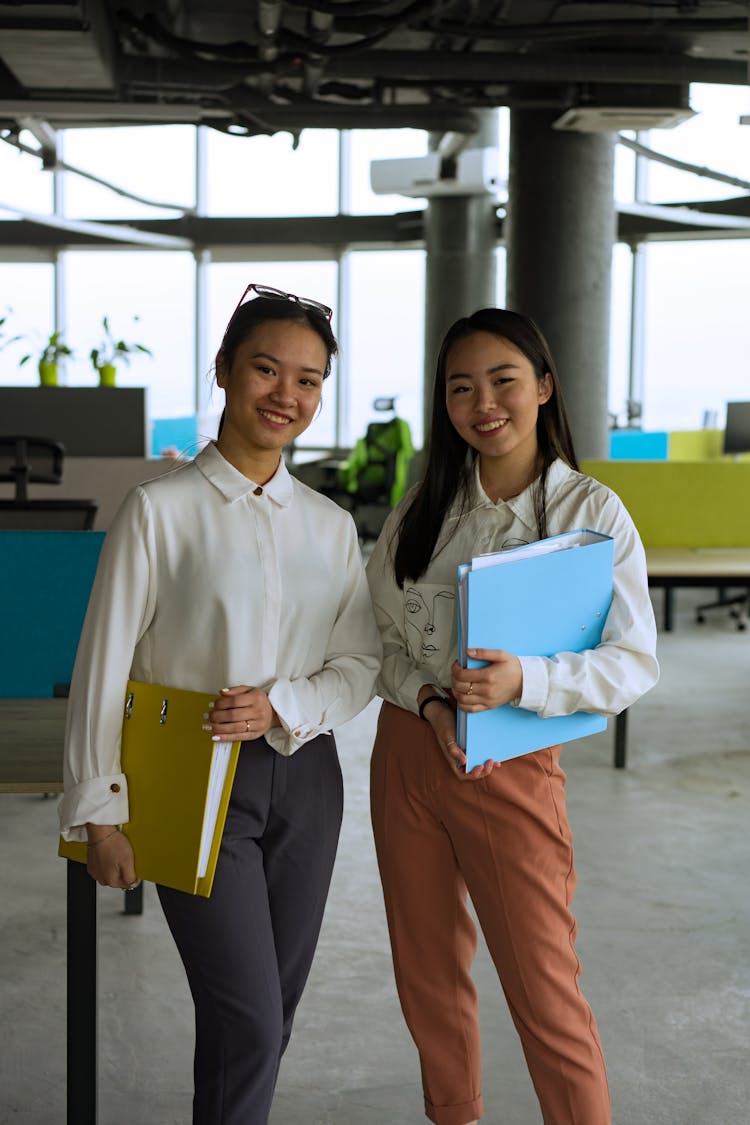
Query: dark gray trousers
{"type": "Point", "coordinates": [247, 950]}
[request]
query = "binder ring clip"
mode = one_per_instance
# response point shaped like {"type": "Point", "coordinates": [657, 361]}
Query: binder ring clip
{"type": "Point", "coordinates": [163, 712]}
{"type": "Point", "coordinates": [129, 705]}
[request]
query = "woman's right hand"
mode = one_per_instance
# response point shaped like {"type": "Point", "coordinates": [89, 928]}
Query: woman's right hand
{"type": "Point", "coordinates": [110, 858]}
{"type": "Point", "coordinates": [442, 718]}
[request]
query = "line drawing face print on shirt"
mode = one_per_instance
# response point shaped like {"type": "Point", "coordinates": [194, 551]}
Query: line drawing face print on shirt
{"type": "Point", "coordinates": [428, 621]}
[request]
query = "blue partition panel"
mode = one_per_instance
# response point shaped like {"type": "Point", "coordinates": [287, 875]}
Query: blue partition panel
{"type": "Point", "coordinates": [45, 580]}
{"type": "Point", "coordinates": [180, 434]}
{"type": "Point", "coordinates": [638, 445]}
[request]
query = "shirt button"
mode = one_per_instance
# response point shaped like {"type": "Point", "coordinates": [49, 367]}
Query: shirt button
{"type": "Point", "coordinates": [115, 788]}
{"type": "Point", "coordinates": [298, 734]}
{"type": "Point", "coordinates": [258, 491]}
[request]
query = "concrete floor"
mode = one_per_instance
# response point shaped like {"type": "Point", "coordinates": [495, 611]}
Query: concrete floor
{"type": "Point", "coordinates": [663, 906]}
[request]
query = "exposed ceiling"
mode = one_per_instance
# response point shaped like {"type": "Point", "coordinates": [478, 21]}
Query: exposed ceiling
{"type": "Point", "coordinates": [263, 66]}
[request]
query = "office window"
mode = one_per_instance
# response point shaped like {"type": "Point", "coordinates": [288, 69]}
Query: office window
{"type": "Point", "coordinates": [266, 176]}
{"type": "Point", "coordinates": [619, 332]}
{"type": "Point", "coordinates": [385, 352]}
{"type": "Point", "coordinates": [501, 264]}
{"type": "Point", "coordinates": [713, 139]}
{"type": "Point", "coordinates": [697, 331]}
{"type": "Point", "coordinates": [625, 170]}
{"type": "Point", "coordinates": [26, 301]}
{"type": "Point", "coordinates": [156, 162]}
{"type": "Point", "coordinates": [225, 283]}
{"type": "Point", "coordinates": [158, 289]}
{"type": "Point", "coordinates": [23, 184]}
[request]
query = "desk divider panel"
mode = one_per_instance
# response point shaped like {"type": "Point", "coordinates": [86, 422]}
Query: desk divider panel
{"type": "Point", "coordinates": [682, 503]}
{"type": "Point", "coordinates": [45, 581]}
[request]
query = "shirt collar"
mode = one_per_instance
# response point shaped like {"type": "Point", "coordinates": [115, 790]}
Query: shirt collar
{"type": "Point", "coordinates": [522, 506]}
{"type": "Point", "coordinates": [233, 485]}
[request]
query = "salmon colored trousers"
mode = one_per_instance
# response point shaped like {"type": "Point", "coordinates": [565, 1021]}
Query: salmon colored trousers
{"type": "Point", "coordinates": [506, 840]}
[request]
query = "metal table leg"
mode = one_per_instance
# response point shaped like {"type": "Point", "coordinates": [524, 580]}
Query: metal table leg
{"type": "Point", "coordinates": [82, 997]}
{"type": "Point", "coordinates": [621, 739]}
{"type": "Point", "coordinates": [134, 901]}
{"type": "Point", "coordinates": [668, 608]}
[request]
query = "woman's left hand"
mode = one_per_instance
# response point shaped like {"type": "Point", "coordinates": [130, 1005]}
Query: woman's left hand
{"type": "Point", "coordinates": [240, 713]}
{"type": "Point", "coordinates": [481, 689]}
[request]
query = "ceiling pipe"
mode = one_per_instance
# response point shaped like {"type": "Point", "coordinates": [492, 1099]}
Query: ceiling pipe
{"type": "Point", "coordinates": [269, 22]}
{"type": "Point", "coordinates": [491, 67]}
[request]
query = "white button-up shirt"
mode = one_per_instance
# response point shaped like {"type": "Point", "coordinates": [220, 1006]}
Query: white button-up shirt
{"type": "Point", "coordinates": [209, 580]}
{"type": "Point", "coordinates": [418, 623]}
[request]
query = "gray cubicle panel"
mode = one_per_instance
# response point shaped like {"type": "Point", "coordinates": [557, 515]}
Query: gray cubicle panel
{"type": "Point", "coordinates": [89, 421]}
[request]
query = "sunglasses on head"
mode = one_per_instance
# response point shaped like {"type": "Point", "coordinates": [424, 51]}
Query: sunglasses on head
{"type": "Point", "coordinates": [271, 294]}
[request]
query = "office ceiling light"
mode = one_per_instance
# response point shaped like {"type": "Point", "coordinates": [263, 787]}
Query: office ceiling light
{"type": "Point", "coordinates": [617, 119]}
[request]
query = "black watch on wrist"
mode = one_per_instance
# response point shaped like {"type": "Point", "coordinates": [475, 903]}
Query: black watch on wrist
{"type": "Point", "coordinates": [430, 699]}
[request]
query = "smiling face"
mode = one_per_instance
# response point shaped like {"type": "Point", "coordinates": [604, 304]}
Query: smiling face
{"type": "Point", "coordinates": [273, 389]}
{"type": "Point", "coordinates": [493, 397]}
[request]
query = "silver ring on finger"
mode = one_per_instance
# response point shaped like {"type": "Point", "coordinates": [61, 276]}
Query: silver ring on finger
{"type": "Point", "coordinates": [247, 726]}
{"type": "Point", "coordinates": [470, 688]}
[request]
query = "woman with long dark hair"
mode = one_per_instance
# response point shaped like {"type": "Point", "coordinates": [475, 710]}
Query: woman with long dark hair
{"type": "Point", "coordinates": [229, 571]}
{"type": "Point", "coordinates": [501, 471]}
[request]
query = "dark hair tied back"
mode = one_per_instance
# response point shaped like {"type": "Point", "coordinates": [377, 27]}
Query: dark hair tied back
{"type": "Point", "coordinates": [259, 311]}
{"type": "Point", "coordinates": [262, 309]}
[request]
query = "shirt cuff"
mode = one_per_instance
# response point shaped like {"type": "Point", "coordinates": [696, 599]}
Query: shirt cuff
{"type": "Point", "coordinates": [293, 732]}
{"type": "Point", "coordinates": [535, 690]}
{"type": "Point", "coordinates": [98, 800]}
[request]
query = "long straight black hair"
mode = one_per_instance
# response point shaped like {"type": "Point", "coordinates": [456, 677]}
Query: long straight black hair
{"type": "Point", "coordinates": [450, 459]}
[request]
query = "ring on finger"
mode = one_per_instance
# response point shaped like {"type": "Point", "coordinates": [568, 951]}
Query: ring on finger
{"type": "Point", "coordinates": [470, 688]}
{"type": "Point", "coordinates": [247, 725]}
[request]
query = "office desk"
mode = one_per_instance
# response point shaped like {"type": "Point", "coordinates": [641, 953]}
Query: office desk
{"type": "Point", "coordinates": [718, 567]}
{"type": "Point", "coordinates": [670, 567]}
{"type": "Point", "coordinates": [31, 762]}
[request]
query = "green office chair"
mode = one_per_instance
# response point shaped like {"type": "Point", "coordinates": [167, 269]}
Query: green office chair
{"type": "Point", "coordinates": [375, 474]}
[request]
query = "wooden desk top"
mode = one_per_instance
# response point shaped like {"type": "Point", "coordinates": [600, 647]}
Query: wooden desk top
{"type": "Point", "coordinates": [694, 562]}
{"type": "Point", "coordinates": [31, 745]}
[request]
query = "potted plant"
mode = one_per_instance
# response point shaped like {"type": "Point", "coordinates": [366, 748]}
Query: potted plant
{"type": "Point", "coordinates": [110, 351]}
{"type": "Point", "coordinates": [48, 362]}
{"type": "Point", "coordinates": [5, 339]}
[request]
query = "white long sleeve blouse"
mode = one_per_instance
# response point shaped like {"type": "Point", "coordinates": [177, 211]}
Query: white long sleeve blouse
{"type": "Point", "coordinates": [208, 580]}
{"type": "Point", "coordinates": [418, 623]}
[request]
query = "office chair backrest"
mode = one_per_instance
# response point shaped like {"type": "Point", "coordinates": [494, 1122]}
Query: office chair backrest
{"type": "Point", "coordinates": [24, 459]}
{"type": "Point", "coordinates": [378, 467]}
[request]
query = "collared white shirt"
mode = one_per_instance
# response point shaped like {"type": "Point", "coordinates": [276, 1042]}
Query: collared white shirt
{"type": "Point", "coordinates": [418, 623]}
{"type": "Point", "coordinates": [208, 580]}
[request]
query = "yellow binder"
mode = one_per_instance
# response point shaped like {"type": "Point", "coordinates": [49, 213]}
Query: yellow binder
{"type": "Point", "coordinates": [179, 784]}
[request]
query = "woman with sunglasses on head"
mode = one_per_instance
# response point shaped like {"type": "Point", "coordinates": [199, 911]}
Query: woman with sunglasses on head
{"type": "Point", "coordinates": [501, 471]}
{"type": "Point", "coordinates": [228, 570]}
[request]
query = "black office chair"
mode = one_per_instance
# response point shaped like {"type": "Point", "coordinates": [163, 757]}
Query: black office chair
{"type": "Point", "coordinates": [25, 460]}
{"type": "Point", "coordinates": [741, 613]}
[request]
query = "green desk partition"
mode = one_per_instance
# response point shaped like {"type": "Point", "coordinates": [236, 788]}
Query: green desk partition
{"type": "Point", "coordinates": [682, 503]}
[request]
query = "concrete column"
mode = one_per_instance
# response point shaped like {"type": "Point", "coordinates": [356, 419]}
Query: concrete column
{"type": "Point", "coordinates": [559, 233]}
{"type": "Point", "coordinates": [461, 271]}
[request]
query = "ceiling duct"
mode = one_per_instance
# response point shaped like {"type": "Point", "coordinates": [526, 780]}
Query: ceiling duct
{"type": "Point", "coordinates": [45, 50]}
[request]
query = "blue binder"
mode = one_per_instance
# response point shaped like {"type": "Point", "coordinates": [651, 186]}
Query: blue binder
{"type": "Point", "coordinates": [548, 597]}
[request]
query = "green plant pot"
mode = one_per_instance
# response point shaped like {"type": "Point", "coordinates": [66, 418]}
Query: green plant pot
{"type": "Point", "coordinates": [48, 374]}
{"type": "Point", "coordinates": [107, 374]}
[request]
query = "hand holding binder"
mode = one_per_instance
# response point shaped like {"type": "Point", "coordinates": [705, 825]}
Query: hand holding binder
{"type": "Point", "coordinates": [179, 784]}
{"type": "Point", "coordinates": [537, 600]}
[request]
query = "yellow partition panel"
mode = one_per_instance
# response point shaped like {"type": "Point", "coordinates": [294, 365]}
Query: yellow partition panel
{"type": "Point", "coordinates": [682, 503]}
{"type": "Point", "coordinates": [695, 445]}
